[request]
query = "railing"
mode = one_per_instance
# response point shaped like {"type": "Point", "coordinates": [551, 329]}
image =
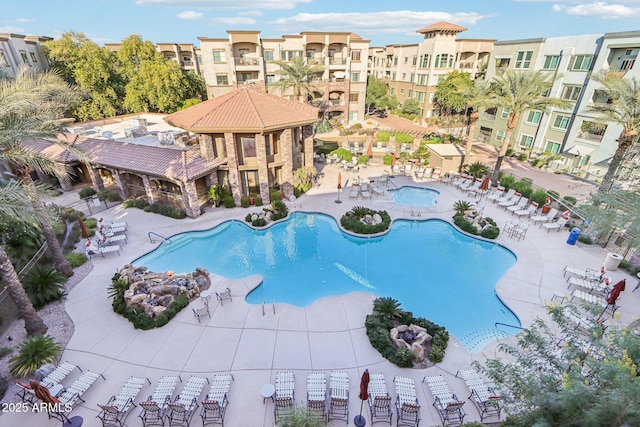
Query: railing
{"type": "Point", "coordinates": [33, 260]}
{"type": "Point", "coordinates": [153, 233]}
{"type": "Point", "coordinates": [246, 61]}
{"type": "Point", "coordinates": [519, 328]}
{"type": "Point", "coordinates": [337, 61]}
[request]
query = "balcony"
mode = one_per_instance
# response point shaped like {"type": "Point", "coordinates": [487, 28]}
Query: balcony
{"type": "Point", "coordinates": [488, 116]}
{"type": "Point", "coordinates": [335, 60]}
{"type": "Point", "coordinates": [466, 65]}
{"type": "Point", "coordinates": [593, 137]}
{"type": "Point", "coordinates": [246, 62]}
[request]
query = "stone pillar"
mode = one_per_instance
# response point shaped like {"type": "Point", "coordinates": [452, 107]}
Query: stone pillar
{"type": "Point", "coordinates": [232, 163]}
{"type": "Point", "coordinates": [190, 199]}
{"type": "Point", "coordinates": [287, 156]}
{"type": "Point", "coordinates": [96, 179]}
{"type": "Point", "coordinates": [151, 197]}
{"type": "Point", "coordinates": [416, 144]}
{"type": "Point", "coordinates": [345, 142]}
{"type": "Point", "coordinates": [263, 170]}
{"type": "Point", "coordinates": [206, 147]}
{"type": "Point", "coordinates": [65, 182]}
{"type": "Point", "coordinates": [308, 151]}
{"type": "Point", "coordinates": [211, 179]}
{"type": "Point", "coordinates": [392, 146]}
{"type": "Point", "coordinates": [123, 190]}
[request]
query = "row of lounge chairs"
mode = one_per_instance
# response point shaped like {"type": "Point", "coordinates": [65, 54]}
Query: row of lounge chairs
{"type": "Point", "coordinates": [108, 238]}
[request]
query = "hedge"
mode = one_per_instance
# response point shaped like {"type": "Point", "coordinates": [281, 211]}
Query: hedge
{"type": "Point", "coordinates": [140, 320]}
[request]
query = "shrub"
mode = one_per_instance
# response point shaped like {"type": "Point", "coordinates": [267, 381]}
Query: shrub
{"type": "Point", "coordinates": [387, 159]}
{"type": "Point", "coordinates": [464, 224]}
{"type": "Point", "coordinates": [303, 178]}
{"type": "Point", "coordinates": [343, 154]}
{"type": "Point", "coordinates": [461, 206]}
{"type": "Point", "coordinates": [490, 232]}
{"type": "Point", "coordinates": [351, 221]}
{"type": "Point", "coordinates": [257, 201]}
{"type": "Point", "coordinates": [229, 202]}
{"type": "Point", "coordinates": [274, 195]}
{"type": "Point", "coordinates": [523, 157]}
{"type": "Point", "coordinates": [510, 152]}
{"type": "Point", "coordinates": [585, 238]}
{"type": "Point", "coordinates": [86, 192]}
{"type": "Point", "coordinates": [508, 182]}
{"type": "Point", "coordinates": [259, 222]}
{"type": "Point", "coordinates": [33, 353]}
{"type": "Point", "coordinates": [76, 259]}
{"type": "Point", "coordinates": [111, 196]}
{"type": "Point", "coordinates": [140, 320]}
{"type": "Point", "coordinates": [135, 203]}
{"type": "Point", "coordinates": [300, 416]}
{"type": "Point", "coordinates": [323, 127]}
{"type": "Point", "coordinates": [279, 210]}
{"type": "Point", "coordinates": [244, 201]}
{"type": "Point", "coordinates": [166, 210]}
{"type": "Point", "coordinates": [570, 199]}
{"type": "Point", "coordinates": [477, 169]}
{"type": "Point", "coordinates": [91, 223]}
{"type": "Point", "coordinates": [363, 160]}
{"type": "Point", "coordinates": [43, 285]}
{"type": "Point", "coordinates": [248, 217]}
{"type": "Point", "coordinates": [538, 196]}
{"type": "Point", "coordinates": [4, 351]}
{"type": "Point", "coordinates": [523, 188]}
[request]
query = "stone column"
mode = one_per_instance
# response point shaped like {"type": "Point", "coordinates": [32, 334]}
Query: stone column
{"type": "Point", "coordinates": [287, 156]}
{"type": "Point", "coordinates": [212, 178]}
{"type": "Point", "coordinates": [263, 170]}
{"type": "Point", "coordinates": [151, 197]}
{"type": "Point", "coordinates": [416, 144]}
{"type": "Point", "coordinates": [65, 183]}
{"type": "Point", "coordinates": [190, 199]}
{"type": "Point", "coordinates": [206, 147]}
{"type": "Point", "coordinates": [96, 179]}
{"type": "Point", "coordinates": [123, 190]}
{"type": "Point", "coordinates": [392, 146]}
{"type": "Point", "coordinates": [232, 163]}
{"type": "Point", "coordinates": [307, 135]}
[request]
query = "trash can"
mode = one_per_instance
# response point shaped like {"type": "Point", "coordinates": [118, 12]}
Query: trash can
{"type": "Point", "coordinates": [573, 236]}
{"type": "Point", "coordinates": [612, 261]}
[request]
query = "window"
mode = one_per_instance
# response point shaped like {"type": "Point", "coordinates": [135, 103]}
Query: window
{"type": "Point", "coordinates": [552, 147]}
{"type": "Point", "coordinates": [505, 113]}
{"type": "Point", "coordinates": [561, 122]}
{"type": "Point", "coordinates": [406, 59]}
{"type": "Point", "coordinates": [354, 96]}
{"type": "Point", "coordinates": [401, 91]}
{"type": "Point", "coordinates": [592, 131]}
{"type": "Point", "coordinates": [219, 56]}
{"type": "Point", "coordinates": [356, 55]}
{"type": "Point", "coordinates": [288, 55]}
{"type": "Point", "coordinates": [581, 62]}
{"type": "Point", "coordinates": [410, 93]}
{"type": "Point", "coordinates": [404, 76]}
{"type": "Point", "coordinates": [355, 77]}
{"type": "Point", "coordinates": [443, 61]}
{"type": "Point", "coordinates": [394, 76]}
{"type": "Point", "coordinates": [310, 53]}
{"type": "Point", "coordinates": [523, 59]}
{"type": "Point", "coordinates": [353, 117]}
{"type": "Point", "coordinates": [500, 135]}
{"type": "Point", "coordinates": [252, 180]}
{"type": "Point", "coordinates": [571, 93]}
{"type": "Point", "coordinates": [414, 60]}
{"type": "Point", "coordinates": [395, 61]}
{"type": "Point", "coordinates": [393, 91]}
{"type": "Point", "coordinates": [248, 146]}
{"type": "Point", "coordinates": [271, 78]}
{"type": "Point", "coordinates": [551, 62]}
{"type": "Point", "coordinates": [431, 96]}
{"type": "Point", "coordinates": [267, 144]}
{"type": "Point", "coordinates": [526, 141]}
{"type": "Point", "coordinates": [222, 79]}
{"type": "Point", "coordinates": [412, 77]}
{"type": "Point", "coordinates": [425, 61]}
{"type": "Point", "coordinates": [628, 60]}
{"type": "Point", "coordinates": [199, 59]}
{"type": "Point", "coordinates": [534, 117]}
{"type": "Point", "coordinates": [3, 59]}
{"type": "Point", "coordinates": [34, 59]}
{"type": "Point", "coordinates": [502, 62]}
{"type": "Point", "coordinates": [423, 79]}
{"type": "Point", "coordinates": [25, 59]}
{"type": "Point", "coordinates": [268, 55]}
{"type": "Point", "coordinates": [420, 96]}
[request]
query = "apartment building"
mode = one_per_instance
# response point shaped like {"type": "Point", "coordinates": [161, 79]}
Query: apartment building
{"type": "Point", "coordinates": [413, 71]}
{"type": "Point", "coordinates": [17, 50]}
{"type": "Point", "coordinates": [584, 144]}
{"type": "Point", "coordinates": [243, 57]}
{"type": "Point", "coordinates": [185, 54]}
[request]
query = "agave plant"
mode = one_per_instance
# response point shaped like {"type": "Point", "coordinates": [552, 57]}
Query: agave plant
{"type": "Point", "coordinates": [359, 211]}
{"type": "Point", "coordinates": [387, 307]}
{"type": "Point", "coordinates": [33, 353]}
{"type": "Point", "coordinates": [461, 206]}
{"type": "Point", "coordinates": [44, 284]}
{"type": "Point", "coordinates": [477, 169]}
{"type": "Point", "coordinates": [118, 286]}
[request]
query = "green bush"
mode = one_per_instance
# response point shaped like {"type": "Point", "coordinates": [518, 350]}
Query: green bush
{"type": "Point", "coordinates": [510, 152]}
{"type": "Point", "coordinates": [109, 195]}
{"type": "Point", "coordinates": [33, 353]}
{"type": "Point", "coordinates": [91, 223]}
{"type": "Point", "coordinates": [257, 201]}
{"type": "Point", "coordinates": [523, 157]}
{"type": "Point", "coordinates": [570, 199]}
{"type": "Point", "coordinates": [259, 222]}
{"type": "Point", "coordinates": [229, 202]}
{"type": "Point", "coordinates": [343, 154]}
{"type": "Point", "coordinates": [166, 210]}
{"type": "Point", "coordinates": [401, 138]}
{"type": "Point", "coordinates": [523, 188]}
{"type": "Point", "coordinates": [140, 320]}
{"type": "Point", "coordinates": [508, 182]}
{"type": "Point", "coordinates": [43, 285]}
{"type": "Point", "coordinates": [387, 159]}
{"type": "Point", "coordinates": [300, 416]}
{"type": "Point", "coordinates": [351, 221]}
{"type": "Point", "coordinates": [585, 238]}
{"type": "Point", "coordinates": [274, 195]}
{"type": "Point", "coordinates": [248, 217]}
{"type": "Point", "coordinates": [4, 351]}
{"type": "Point", "coordinates": [135, 203]}
{"type": "Point", "coordinates": [464, 224]}
{"type": "Point", "coordinates": [244, 201]}
{"type": "Point", "coordinates": [323, 127]}
{"type": "Point", "coordinates": [86, 192]}
{"type": "Point", "coordinates": [363, 160]}
{"type": "Point", "coordinates": [538, 196]}
{"type": "Point", "coordinates": [279, 210]}
{"type": "Point", "coordinates": [490, 232]}
{"type": "Point", "coordinates": [76, 259]}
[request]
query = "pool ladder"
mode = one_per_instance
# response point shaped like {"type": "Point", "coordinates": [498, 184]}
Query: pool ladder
{"type": "Point", "coordinates": [265, 307]}
{"type": "Point", "coordinates": [164, 239]}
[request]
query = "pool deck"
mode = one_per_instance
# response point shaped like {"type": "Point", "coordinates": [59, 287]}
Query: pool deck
{"type": "Point", "coordinates": [327, 335]}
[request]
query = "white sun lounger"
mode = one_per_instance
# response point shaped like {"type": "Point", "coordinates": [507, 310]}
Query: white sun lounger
{"type": "Point", "coordinates": [557, 225]}
{"type": "Point", "coordinates": [183, 407]}
{"type": "Point", "coordinates": [339, 396]}
{"type": "Point", "coordinates": [407, 406]}
{"type": "Point", "coordinates": [111, 224]}
{"type": "Point", "coordinates": [317, 394]}
{"type": "Point", "coordinates": [483, 396]}
{"type": "Point", "coordinates": [590, 285]}
{"type": "Point", "coordinates": [74, 392]}
{"type": "Point", "coordinates": [117, 408]}
{"type": "Point", "coordinates": [379, 399]}
{"type": "Point", "coordinates": [448, 405]}
{"type": "Point", "coordinates": [92, 250]}
{"type": "Point", "coordinates": [589, 298]}
{"type": "Point", "coordinates": [108, 240]}
{"type": "Point", "coordinates": [57, 375]}
{"type": "Point", "coordinates": [155, 407]}
{"type": "Point", "coordinates": [215, 404]}
{"type": "Point", "coordinates": [582, 273]}
{"type": "Point", "coordinates": [284, 395]}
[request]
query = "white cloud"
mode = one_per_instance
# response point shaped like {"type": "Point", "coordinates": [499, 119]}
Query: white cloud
{"type": "Point", "coordinates": [363, 23]}
{"type": "Point", "coordinates": [600, 10]}
{"type": "Point", "coordinates": [237, 20]}
{"type": "Point", "coordinates": [227, 4]}
{"type": "Point", "coordinates": [22, 20]}
{"type": "Point", "coordinates": [12, 29]}
{"type": "Point", "coordinates": [250, 13]}
{"type": "Point", "coordinates": [189, 14]}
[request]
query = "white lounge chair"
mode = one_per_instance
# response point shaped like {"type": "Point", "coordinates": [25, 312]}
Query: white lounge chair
{"type": "Point", "coordinates": [110, 224]}
{"type": "Point", "coordinates": [407, 406]}
{"type": "Point", "coordinates": [58, 374]}
{"type": "Point", "coordinates": [115, 411]}
{"type": "Point", "coordinates": [483, 396]}
{"type": "Point", "coordinates": [513, 200]}
{"type": "Point", "coordinates": [497, 193]}
{"type": "Point", "coordinates": [92, 249]}
{"type": "Point", "coordinates": [317, 394]}
{"type": "Point", "coordinates": [473, 188]}
{"type": "Point", "coordinates": [74, 392]}
{"type": "Point", "coordinates": [591, 286]}
{"type": "Point", "coordinates": [448, 405]}
{"type": "Point", "coordinates": [435, 176]}
{"type": "Point", "coordinates": [379, 399]}
{"type": "Point", "coordinates": [355, 192]}
{"type": "Point", "coordinates": [528, 211]}
{"type": "Point", "coordinates": [284, 395]}
{"type": "Point", "coordinates": [183, 407]}
{"type": "Point", "coordinates": [155, 407]}
{"type": "Point", "coordinates": [549, 216]}
{"type": "Point", "coordinates": [506, 196]}
{"type": "Point", "coordinates": [560, 223]}
{"type": "Point", "coordinates": [338, 396]}
{"type": "Point", "coordinates": [583, 273]}
{"type": "Point", "coordinates": [103, 240]}
{"type": "Point", "coordinates": [522, 203]}
{"type": "Point", "coordinates": [215, 404]}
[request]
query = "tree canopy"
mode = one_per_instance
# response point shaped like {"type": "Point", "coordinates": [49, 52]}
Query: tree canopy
{"type": "Point", "coordinates": [297, 75]}
{"type": "Point", "coordinates": [450, 94]}
{"type": "Point", "coordinates": [614, 210]}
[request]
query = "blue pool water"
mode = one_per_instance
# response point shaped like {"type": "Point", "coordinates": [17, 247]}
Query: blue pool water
{"type": "Point", "coordinates": [416, 196]}
{"type": "Point", "coordinates": [432, 269]}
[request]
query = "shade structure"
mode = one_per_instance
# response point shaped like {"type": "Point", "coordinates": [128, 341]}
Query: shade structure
{"type": "Point", "coordinates": [615, 292]}
{"type": "Point", "coordinates": [83, 227]}
{"type": "Point", "coordinates": [339, 180]}
{"type": "Point", "coordinates": [370, 150]}
{"type": "Point", "coordinates": [42, 393]}
{"type": "Point", "coordinates": [484, 185]}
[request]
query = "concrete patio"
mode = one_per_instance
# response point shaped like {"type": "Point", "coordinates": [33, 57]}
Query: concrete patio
{"type": "Point", "coordinates": [326, 335]}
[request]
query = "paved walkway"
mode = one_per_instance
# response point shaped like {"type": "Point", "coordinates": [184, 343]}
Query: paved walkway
{"type": "Point", "coordinates": [326, 335]}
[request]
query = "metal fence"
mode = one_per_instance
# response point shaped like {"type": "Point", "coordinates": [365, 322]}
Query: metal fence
{"type": "Point", "coordinates": [8, 311]}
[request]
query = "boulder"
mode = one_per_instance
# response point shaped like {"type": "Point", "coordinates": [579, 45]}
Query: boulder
{"type": "Point", "coordinates": [158, 310]}
{"type": "Point", "coordinates": [138, 299]}
{"type": "Point", "coordinates": [402, 328]}
{"type": "Point", "coordinates": [165, 300]}
{"type": "Point", "coordinates": [418, 350]}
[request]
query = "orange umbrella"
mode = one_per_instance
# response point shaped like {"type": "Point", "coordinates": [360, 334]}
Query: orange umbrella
{"type": "Point", "coordinates": [484, 185]}
{"type": "Point", "coordinates": [393, 161]}
{"type": "Point", "coordinates": [339, 180]}
{"type": "Point", "coordinates": [85, 232]}
{"type": "Point", "coordinates": [370, 150]}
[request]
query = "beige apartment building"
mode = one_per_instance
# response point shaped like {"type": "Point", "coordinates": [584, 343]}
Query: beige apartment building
{"type": "Point", "coordinates": [18, 50]}
{"type": "Point", "coordinates": [243, 58]}
{"type": "Point", "coordinates": [185, 54]}
{"type": "Point", "coordinates": [413, 71]}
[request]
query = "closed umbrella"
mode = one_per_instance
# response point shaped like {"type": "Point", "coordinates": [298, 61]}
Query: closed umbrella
{"type": "Point", "coordinates": [484, 185]}
{"type": "Point", "coordinates": [83, 227]}
{"type": "Point", "coordinates": [614, 294]}
{"type": "Point", "coordinates": [339, 187]}
{"type": "Point", "coordinates": [364, 395]}
{"type": "Point", "coordinates": [370, 151]}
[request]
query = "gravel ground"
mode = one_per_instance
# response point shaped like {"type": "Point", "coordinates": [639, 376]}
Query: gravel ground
{"type": "Point", "coordinates": [61, 328]}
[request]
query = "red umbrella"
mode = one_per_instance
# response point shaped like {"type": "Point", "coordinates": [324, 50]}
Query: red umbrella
{"type": "Point", "coordinates": [85, 232]}
{"type": "Point", "coordinates": [484, 185]}
{"type": "Point", "coordinates": [364, 395]}
{"type": "Point", "coordinates": [370, 150]}
{"type": "Point", "coordinates": [393, 161]}
{"type": "Point", "coordinates": [615, 292]}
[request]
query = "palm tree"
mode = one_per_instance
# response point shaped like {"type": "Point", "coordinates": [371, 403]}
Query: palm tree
{"type": "Point", "coordinates": [477, 97]}
{"type": "Point", "coordinates": [387, 307]}
{"type": "Point", "coordinates": [623, 109]}
{"type": "Point", "coordinates": [298, 75]}
{"type": "Point", "coordinates": [31, 106]}
{"type": "Point", "coordinates": [14, 206]}
{"type": "Point", "coordinates": [520, 91]}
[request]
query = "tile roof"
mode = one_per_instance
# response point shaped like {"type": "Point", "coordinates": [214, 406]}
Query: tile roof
{"type": "Point", "coordinates": [441, 26]}
{"type": "Point", "coordinates": [170, 163]}
{"type": "Point", "coordinates": [243, 109]}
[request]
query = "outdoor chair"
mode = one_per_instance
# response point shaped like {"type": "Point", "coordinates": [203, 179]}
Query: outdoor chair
{"type": "Point", "coordinates": [339, 396]}
{"type": "Point", "coordinates": [103, 240]}
{"type": "Point", "coordinates": [514, 199]}
{"type": "Point", "coordinates": [522, 203]}
{"type": "Point", "coordinates": [201, 311]}
{"type": "Point", "coordinates": [215, 404]}
{"type": "Point", "coordinates": [496, 194]}
{"type": "Point", "coordinates": [115, 411]}
{"type": "Point", "coordinates": [379, 400]}
{"type": "Point", "coordinates": [591, 299]}
{"type": "Point", "coordinates": [74, 392]}
{"type": "Point", "coordinates": [221, 296]}
{"type": "Point", "coordinates": [520, 231]}
{"type": "Point", "coordinates": [111, 230]}
{"type": "Point", "coordinates": [355, 192]}
{"type": "Point", "coordinates": [528, 211]}
{"type": "Point", "coordinates": [549, 216]}
{"type": "Point", "coordinates": [183, 407]}
{"type": "Point", "coordinates": [448, 405]}
{"type": "Point", "coordinates": [560, 223]}
{"type": "Point", "coordinates": [91, 249]}
{"type": "Point", "coordinates": [155, 407]}
{"type": "Point", "coordinates": [317, 394]}
{"type": "Point", "coordinates": [110, 224]}
{"type": "Point", "coordinates": [461, 179]}
{"type": "Point", "coordinates": [407, 406]}
{"type": "Point", "coordinates": [468, 182]}
{"type": "Point", "coordinates": [483, 396]}
{"type": "Point", "coordinates": [591, 286]}
{"type": "Point", "coordinates": [473, 188]}
{"type": "Point", "coordinates": [583, 273]}
{"type": "Point", "coordinates": [284, 395]}
{"type": "Point", "coordinates": [505, 196]}
{"type": "Point", "coordinates": [447, 178]}
{"type": "Point", "coordinates": [435, 176]}
{"type": "Point", "coordinates": [58, 374]}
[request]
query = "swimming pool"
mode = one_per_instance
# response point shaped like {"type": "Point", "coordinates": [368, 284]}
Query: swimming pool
{"type": "Point", "coordinates": [408, 195]}
{"type": "Point", "coordinates": [431, 268]}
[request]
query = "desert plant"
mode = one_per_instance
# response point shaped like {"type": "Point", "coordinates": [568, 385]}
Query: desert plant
{"type": "Point", "coordinates": [216, 194]}
{"type": "Point", "coordinates": [538, 196]}
{"type": "Point", "coordinates": [229, 202]}
{"type": "Point", "coordinates": [343, 154]}
{"type": "Point", "coordinates": [44, 284]}
{"type": "Point", "coordinates": [247, 218]}
{"type": "Point", "coordinates": [490, 232]}
{"type": "Point", "coordinates": [461, 206]}
{"type": "Point", "coordinates": [259, 222]}
{"type": "Point", "coordinates": [33, 353]}
{"type": "Point", "coordinates": [135, 203]}
{"type": "Point", "coordinates": [4, 351]}
{"type": "Point", "coordinates": [303, 178]}
{"type": "Point", "coordinates": [300, 416]}
{"type": "Point", "coordinates": [119, 284]}
{"type": "Point", "coordinates": [387, 308]}
{"type": "Point", "coordinates": [477, 169]}
{"type": "Point", "coordinates": [76, 259]}
{"type": "Point", "coordinates": [257, 201]}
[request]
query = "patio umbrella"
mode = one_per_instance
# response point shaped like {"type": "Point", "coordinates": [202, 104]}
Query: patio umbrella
{"type": "Point", "coordinates": [484, 185]}
{"type": "Point", "coordinates": [42, 393]}
{"type": "Point", "coordinates": [615, 292]}
{"type": "Point", "coordinates": [364, 395]}
{"type": "Point", "coordinates": [370, 150]}
{"type": "Point", "coordinates": [85, 232]}
{"type": "Point", "coordinates": [393, 160]}
{"type": "Point", "coordinates": [339, 187]}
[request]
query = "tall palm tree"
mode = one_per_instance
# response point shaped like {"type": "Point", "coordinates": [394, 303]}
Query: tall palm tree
{"type": "Point", "coordinates": [31, 106]}
{"type": "Point", "coordinates": [520, 91]}
{"type": "Point", "coordinates": [477, 97]}
{"type": "Point", "coordinates": [298, 75]}
{"type": "Point", "coordinates": [14, 206]}
{"type": "Point", "coordinates": [623, 109]}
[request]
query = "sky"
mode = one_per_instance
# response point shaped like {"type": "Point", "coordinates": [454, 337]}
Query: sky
{"type": "Point", "coordinates": [382, 22]}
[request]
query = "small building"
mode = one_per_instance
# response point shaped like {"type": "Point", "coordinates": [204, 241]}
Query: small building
{"type": "Point", "coordinates": [448, 157]}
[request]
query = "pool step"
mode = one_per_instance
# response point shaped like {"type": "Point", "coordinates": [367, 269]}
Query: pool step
{"type": "Point", "coordinates": [478, 339]}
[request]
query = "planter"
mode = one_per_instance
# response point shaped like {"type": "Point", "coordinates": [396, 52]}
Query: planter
{"type": "Point", "coordinates": [252, 201]}
{"type": "Point", "coordinates": [545, 209]}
